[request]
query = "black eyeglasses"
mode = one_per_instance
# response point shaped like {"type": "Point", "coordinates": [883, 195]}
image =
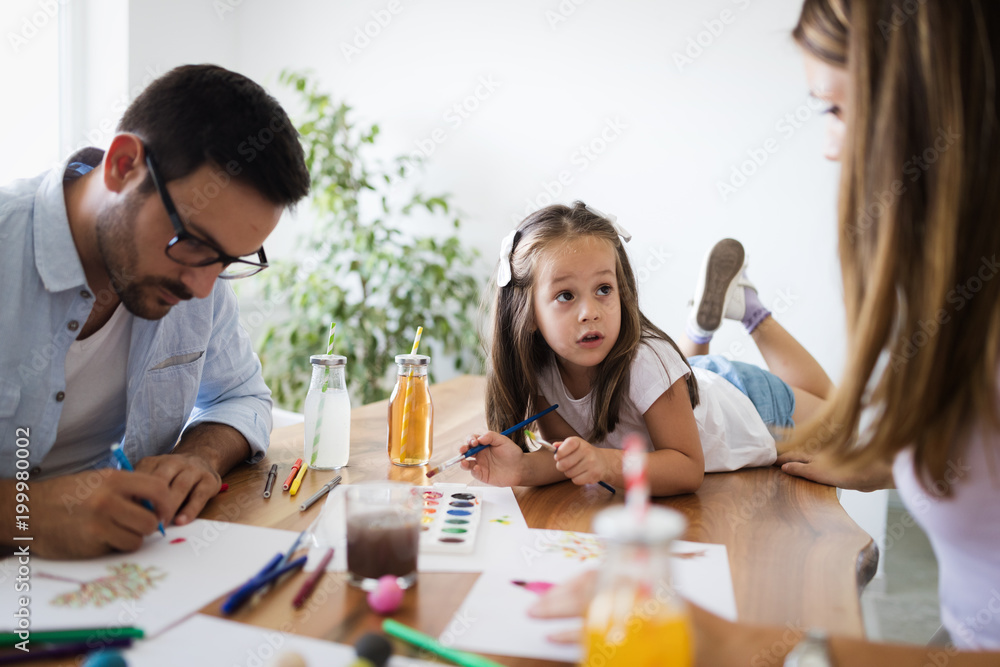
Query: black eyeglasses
{"type": "Point", "coordinates": [189, 250]}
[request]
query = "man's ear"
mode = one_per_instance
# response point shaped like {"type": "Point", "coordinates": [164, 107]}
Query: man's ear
{"type": "Point", "coordinates": [124, 162]}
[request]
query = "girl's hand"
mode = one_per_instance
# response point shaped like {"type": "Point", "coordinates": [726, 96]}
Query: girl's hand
{"type": "Point", "coordinates": [499, 464]}
{"type": "Point", "coordinates": [581, 461]}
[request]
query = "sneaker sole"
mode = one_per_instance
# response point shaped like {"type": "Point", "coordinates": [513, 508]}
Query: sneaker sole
{"type": "Point", "coordinates": [724, 263]}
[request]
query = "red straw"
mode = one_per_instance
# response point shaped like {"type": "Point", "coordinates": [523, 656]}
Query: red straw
{"type": "Point", "coordinates": [634, 471]}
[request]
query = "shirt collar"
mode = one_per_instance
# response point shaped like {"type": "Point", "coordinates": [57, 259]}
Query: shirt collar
{"type": "Point", "coordinates": [56, 257]}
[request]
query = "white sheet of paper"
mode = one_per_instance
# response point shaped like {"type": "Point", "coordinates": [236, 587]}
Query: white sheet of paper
{"type": "Point", "coordinates": [152, 588]}
{"type": "Point", "coordinates": [496, 609]}
{"type": "Point", "coordinates": [501, 532]}
{"type": "Point", "coordinates": [207, 640]}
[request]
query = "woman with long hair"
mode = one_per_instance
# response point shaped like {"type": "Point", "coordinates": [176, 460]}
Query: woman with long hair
{"type": "Point", "coordinates": [912, 88]}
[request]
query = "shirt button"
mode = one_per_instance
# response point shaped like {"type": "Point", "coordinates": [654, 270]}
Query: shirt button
{"type": "Point", "coordinates": [73, 326]}
{"type": "Point", "coordinates": [85, 294]}
{"type": "Point", "coordinates": [60, 396]}
{"type": "Point", "coordinates": [35, 470]}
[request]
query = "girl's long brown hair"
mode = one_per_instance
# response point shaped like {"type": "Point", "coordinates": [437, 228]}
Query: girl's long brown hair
{"type": "Point", "coordinates": [517, 352]}
{"type": "Point", "coordinates": [919, 225]}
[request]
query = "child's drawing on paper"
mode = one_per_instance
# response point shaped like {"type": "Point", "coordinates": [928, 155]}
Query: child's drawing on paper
{"type": "Point", "coordinates": [575, 546]}
{"type": "Point", "coordinates": [127, 581]}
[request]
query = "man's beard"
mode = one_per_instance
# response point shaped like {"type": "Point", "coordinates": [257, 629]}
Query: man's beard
{"type": "Point", "coordinates": [116, 245]}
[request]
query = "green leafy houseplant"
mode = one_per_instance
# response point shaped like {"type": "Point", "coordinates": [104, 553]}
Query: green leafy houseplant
{"type": "Point", "coordinates": [359, 269]}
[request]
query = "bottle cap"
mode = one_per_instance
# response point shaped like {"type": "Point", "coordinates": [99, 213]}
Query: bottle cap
{"type": "Point", "coordinates": [413, 359]}
{"type": "Point", "coordinates": [659, 525]}
{"type": "Point", "coordinates": [328, 360]}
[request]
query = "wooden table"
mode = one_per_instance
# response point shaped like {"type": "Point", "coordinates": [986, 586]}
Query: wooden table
{"type": "Point", "coordinates": [795, 555]}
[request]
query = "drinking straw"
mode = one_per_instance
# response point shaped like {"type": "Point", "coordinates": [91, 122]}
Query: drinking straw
{"type": "Point", "coordinates": [322, 397]}
{"type": "Point", "coordinates": [408, 400]}
{"type": "Point", "coordinates": [634, 471]}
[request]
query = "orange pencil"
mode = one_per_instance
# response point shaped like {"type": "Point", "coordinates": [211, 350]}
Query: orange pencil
{"type": "Point", "coordinates": [291, 476]}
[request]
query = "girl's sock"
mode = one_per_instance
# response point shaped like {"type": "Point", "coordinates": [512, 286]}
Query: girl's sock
{"type": "Point", "coordinates": [695, 334]}
{"type": "Point", "coordinates": [754, 313]}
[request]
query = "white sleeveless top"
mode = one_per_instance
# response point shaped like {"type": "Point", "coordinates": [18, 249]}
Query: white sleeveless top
{"type": "Point", "coordinates": [964, 531]}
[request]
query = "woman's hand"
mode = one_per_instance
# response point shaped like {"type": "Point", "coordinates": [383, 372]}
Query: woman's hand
{"type": "Point", "coordinates": [821, 469]}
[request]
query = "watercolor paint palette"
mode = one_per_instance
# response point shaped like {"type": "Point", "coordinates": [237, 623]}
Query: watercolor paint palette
{"type": "Point", "coordinates": [450, 518]}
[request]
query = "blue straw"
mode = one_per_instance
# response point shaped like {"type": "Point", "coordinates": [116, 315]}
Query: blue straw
{"type": "Point", "coordinates": [116, 449]}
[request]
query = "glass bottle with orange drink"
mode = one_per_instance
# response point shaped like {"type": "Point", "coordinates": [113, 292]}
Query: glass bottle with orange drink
{"type": "Point", "coordinates": [636, 618]}
{"type": "Point", "coordinates": [411, 414]}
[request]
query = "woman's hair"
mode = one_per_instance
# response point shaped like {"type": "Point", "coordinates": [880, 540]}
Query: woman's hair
{"type": "Point", "coordinates": [517, 352]}
{"type": "Point", "coordinates": [919, 225]}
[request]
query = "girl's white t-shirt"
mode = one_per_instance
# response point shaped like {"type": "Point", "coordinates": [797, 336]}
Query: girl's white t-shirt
{"type": "Point", "coordinates": [733, 435]}
{"type": "Point", "coordinates": [964, 531]}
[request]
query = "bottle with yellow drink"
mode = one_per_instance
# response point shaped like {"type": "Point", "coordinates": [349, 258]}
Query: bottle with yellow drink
{"type": "Point", "coordinates": [636, 618]}
{"type": "Point", "coordinates": [411, 413]}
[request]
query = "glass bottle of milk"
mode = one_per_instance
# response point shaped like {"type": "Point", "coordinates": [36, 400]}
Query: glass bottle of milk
{"type": "Point", "coordinates": [328, 414]}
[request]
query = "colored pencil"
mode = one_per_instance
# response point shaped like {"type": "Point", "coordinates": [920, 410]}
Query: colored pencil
{"type": "Point", "coordinates": [74, 635]}
{"type": "Point", "coordinates": [270, 480]}
{"type": "Point", "coordinates": [478, 448]}
{"type": "Point", "coordinates": [247, 591]}
{"type": "Point", "coordinates": [291, 475]}
{"type": "Point", "coordinates": [297, 482]}
{"type": "Point", "coordinates": [310, 583]}
{"type": "Point", "coordinates": [420, 640]}
{"type": "Point", "coordinates": [319, 494]}
{"type": "Point", "coordinates": [116, 449]}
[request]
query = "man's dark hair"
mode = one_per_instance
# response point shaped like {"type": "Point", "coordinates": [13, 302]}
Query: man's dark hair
{"type": "Point", "coordinates": [198, 114]}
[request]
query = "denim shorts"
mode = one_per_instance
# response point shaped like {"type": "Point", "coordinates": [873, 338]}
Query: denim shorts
{"type": "Point", "coordinates": [772, 397]}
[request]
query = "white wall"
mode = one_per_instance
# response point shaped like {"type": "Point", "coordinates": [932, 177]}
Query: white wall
{"type": "Point", "coordinates": [562, 71]}
{"type": "Point", "coordinates": [683, 129]}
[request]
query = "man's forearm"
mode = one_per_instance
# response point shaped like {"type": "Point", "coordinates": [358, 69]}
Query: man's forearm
{"type": "Point", "coordinates": [219, 444]}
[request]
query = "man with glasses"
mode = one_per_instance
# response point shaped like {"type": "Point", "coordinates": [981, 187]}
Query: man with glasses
{"type": "Point", "coordinates": [116, 327]}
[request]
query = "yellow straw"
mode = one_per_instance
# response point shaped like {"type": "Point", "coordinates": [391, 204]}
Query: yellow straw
{"type": "Point", "coordinates": [408, 400]}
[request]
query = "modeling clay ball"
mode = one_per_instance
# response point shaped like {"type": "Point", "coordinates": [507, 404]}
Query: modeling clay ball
{"type": "Point", "coordinates": [387, 596]}
{"type": "Point", "coordinates": [105, 659]}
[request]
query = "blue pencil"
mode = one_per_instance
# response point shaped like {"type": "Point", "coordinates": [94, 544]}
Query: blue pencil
{"type": "Point", "coordinates": [246, 591]}
{"type": "Point", "coordinates": [478, 448]}
{"type": "Point", "coordinates": [116, 449]}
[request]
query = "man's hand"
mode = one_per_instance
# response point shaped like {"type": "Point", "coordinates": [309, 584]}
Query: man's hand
{"type": "Point", "coordinates": [582, 462]}
{"type": "Point", "coordinates": [191, 480]}
{"type": "Point", "coordinates": [499, 464]}
{"type": "Point", "coordinates": [95, 512]}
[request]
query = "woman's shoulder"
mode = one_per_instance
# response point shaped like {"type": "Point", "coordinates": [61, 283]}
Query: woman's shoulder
{"type": "Point", "coordinates": [653, 348]}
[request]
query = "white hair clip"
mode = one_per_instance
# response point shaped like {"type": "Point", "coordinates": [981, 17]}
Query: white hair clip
{"type": "Point", "coordinates": [506, 248]}
{"type": "Point", "coordinates": [622, 232]}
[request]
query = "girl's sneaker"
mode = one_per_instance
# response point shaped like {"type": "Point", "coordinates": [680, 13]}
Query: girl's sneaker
{"type": "Point", "coordinates": [724, 292]}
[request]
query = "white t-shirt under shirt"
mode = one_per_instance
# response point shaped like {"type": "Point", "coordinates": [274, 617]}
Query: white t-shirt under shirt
{"type": "Point", "coordinates": [733, 435]}
{"type": "Point", "coordinates": [964, 531]}
{"type": "Point", "coordinates": [93, 412]}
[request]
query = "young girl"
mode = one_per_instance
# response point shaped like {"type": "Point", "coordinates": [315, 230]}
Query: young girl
{"type": "Point", "coordinates": [567, 330]}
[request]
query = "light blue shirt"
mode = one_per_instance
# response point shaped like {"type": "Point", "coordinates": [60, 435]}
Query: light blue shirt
{"type": "Point", "coordinates": [194, 365]}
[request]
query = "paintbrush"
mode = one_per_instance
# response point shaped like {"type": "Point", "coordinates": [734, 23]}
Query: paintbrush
{"type": "Point", "coordinates": [478, 448]}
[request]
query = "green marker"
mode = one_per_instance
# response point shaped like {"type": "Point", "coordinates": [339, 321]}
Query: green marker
{"type": "Point", "coordinates": [420, 640]}
{"type": "Point", "coordinates": [71, 636]}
